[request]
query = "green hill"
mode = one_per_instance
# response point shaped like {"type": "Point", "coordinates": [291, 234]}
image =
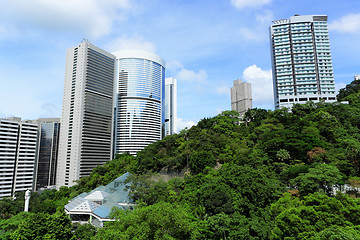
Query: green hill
{"type": "Point", "coordinates": [270, 175]}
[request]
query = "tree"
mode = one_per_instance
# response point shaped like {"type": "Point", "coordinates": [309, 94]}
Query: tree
{"type": "Point", "coordinates": [317, 154]}
{"type": "Point", "coordinates": [8, 226]}
{"type": "Point", "coordinates": [283, 155]}
{"type": "Point", "coordinates": [350, 89]}
{"type": "Point", "coordinates": [253, 189]}
{"type": "Point", "coordinates": [148, 188]}
{"type": "Point", "coordinates": [315, 215]}
{"type": "Point", "coordinates": [322, 176]}
{"type": "Point", "coordinates": [337, 232]}
{"type": "Point", "coordinates": [44, 226]}
{"type": "Point", "coordinates": [200, 160]}
{"type": "Point", "coordinates": [84, 231]}
{"type": "Point", "coordinates": [159, 221]}
{"type": "Point", "coordinates": [255, 116]}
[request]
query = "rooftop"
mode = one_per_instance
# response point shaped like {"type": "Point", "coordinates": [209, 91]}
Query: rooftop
{"type": "Point", "coordinates": [102, 199]}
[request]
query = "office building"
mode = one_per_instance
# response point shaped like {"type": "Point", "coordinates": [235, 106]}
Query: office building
{"type": "Point", "coordinates": [170, 106]}
{"type": "Point", "coordinates": [87, 113]}
{"type": "Point", "coordinates": [301, 60]}
{"type": "Point", "coordinates": [48, 145]}
{"type": "Point", "coordinates": [139, 101]}
{"type": "Point", "coordinates": [241, 97]}
{"type": "Point", "coordinates": [17, 155]}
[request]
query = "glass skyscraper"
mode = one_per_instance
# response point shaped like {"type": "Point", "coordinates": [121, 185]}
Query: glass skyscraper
{"type": "Point", "coordinates": [301, 60]}
{"type": "Point", "coordinates": [139, 101]}
{"type": "Point", "coordinates": [48, 144]}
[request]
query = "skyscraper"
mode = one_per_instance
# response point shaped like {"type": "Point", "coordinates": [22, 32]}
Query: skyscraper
{"type": "Point", "coordinates": [87, 114]}
{"type": "Point", "coordinates": [301, 60]}
{"type": "Point", "coordinates": [241, 97]}
{"type": "Point", "coordinates": [139, 101]}
{"type": "Point", "coordinates": [17, 155]}
{"type": "Point", "coordinates": [48, 145]}
{"type": "Point", "coordinates": [170, 106]}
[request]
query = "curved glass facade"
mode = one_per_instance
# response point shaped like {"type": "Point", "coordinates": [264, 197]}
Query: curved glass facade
{"type": "Point", "coordinates": [140, 93]}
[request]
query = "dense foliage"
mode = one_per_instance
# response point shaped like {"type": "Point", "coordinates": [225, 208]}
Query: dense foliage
{"type": "Point", "coordinates": [270, 175]}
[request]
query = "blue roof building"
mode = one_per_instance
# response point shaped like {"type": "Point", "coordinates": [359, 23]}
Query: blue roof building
{"type": "Point", "coordinates": [95, 207]}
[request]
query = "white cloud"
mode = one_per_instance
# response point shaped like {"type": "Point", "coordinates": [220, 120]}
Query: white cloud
{"type": "Point", "coordinates": [134, 43]}
{"type": "Point", "coordinates": [90, 17]}
{"type": "Point", "coordinates": [182, 123]}
{"type": "Point", "coordinates": [177, 69]}
{"type": "Point", "coordinates": [347, 24]}
{"type": "Point", "coordinates": [22, 104]}
{"type": "Point", "coordinates": [261, 84]}
{"type": "Point", "coordinates": [240, 4]}
{"type": "Point", "coordinates": [7, 32]}
{"type": "Point", "coordinates": [338, 86]}
{"type": "Point", "coordinates": [250, 34]}
{"type": "Point", "coordinates": [258, 32]}
{"type": "Point", "coordinates": [219, 110]}
{"type": "Point", "coordinates": [265, 17]}
{"type": "Point", "coordinates": [50, 109]}
{"type": "Point", "coordinates": [192, 76]}
{"type": "Point", "coordinates": [223, 90]}
{"type": "Point", "coordinates": [173, 66]}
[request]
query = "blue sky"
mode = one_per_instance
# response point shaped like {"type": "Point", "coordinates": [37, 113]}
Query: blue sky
{"type": "Point", "coordinates": [206, 45]}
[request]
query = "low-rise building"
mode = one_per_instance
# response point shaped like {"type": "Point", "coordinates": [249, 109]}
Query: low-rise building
{"type": "Point", "coordinates": [95, 207]}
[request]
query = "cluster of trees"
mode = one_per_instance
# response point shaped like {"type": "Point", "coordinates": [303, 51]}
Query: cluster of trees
{"type": "Point", "coordinates": [270, 175]}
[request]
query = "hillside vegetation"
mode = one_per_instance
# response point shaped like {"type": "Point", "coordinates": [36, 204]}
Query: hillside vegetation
{"type": "Point", "coordinates": [270, 175]}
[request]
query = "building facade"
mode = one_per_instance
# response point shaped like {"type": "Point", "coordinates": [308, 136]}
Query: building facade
{"type": "Point", "coordinates": [301, 61]}
{"type": "Point", "coordinates": [241, 97]}
{"type": "Point", "coordinates": [48, 146]}
{"type": "Point", "coordinates": [170, 106]}
{"type": "Point", "coordinates": [87, 113]}
{"type": "Point", "coordinates": [139, 100]}
{"type": "Point", "coordinates": [18, 142]}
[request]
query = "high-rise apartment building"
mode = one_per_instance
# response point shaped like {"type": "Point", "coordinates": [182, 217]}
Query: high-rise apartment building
{"type": "Point", "coordinates": [17, 155]}
{"type": "Point", "coordinates": [139, 101]}
{"type": "Point", "coordinates": [87, 113]}
{"type": "Point", "coordinates": [48, 145]}
{"type": "Point", "coordinates": [170, 106]}
{"type": "Point", "coordinates": [241, 97]}
{"type": "Point", "coordinates": [301, 60]}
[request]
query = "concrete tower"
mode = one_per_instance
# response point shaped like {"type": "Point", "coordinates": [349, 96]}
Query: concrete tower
{"type": "Point", "coordinates": [87, 114]}
{"type": "Point", "coordinates": [170, 106]}
{"type": "Point", "coordinates": [241, 97]}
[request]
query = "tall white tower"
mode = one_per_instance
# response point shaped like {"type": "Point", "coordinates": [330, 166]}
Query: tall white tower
{"type": "Point", "coordinates": [139, 103]}
{"type": "Point", "coordinates": [87, 114]}
{"type": "Point", "coordinates": [17, 155]}
{"type": "Point", "coordinates": [170, 106]}
{"type": "Point", "coordinates": [301, 60]}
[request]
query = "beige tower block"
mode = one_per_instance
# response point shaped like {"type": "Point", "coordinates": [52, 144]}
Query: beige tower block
{"type": "Point", "coordinates": [241, 98]}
